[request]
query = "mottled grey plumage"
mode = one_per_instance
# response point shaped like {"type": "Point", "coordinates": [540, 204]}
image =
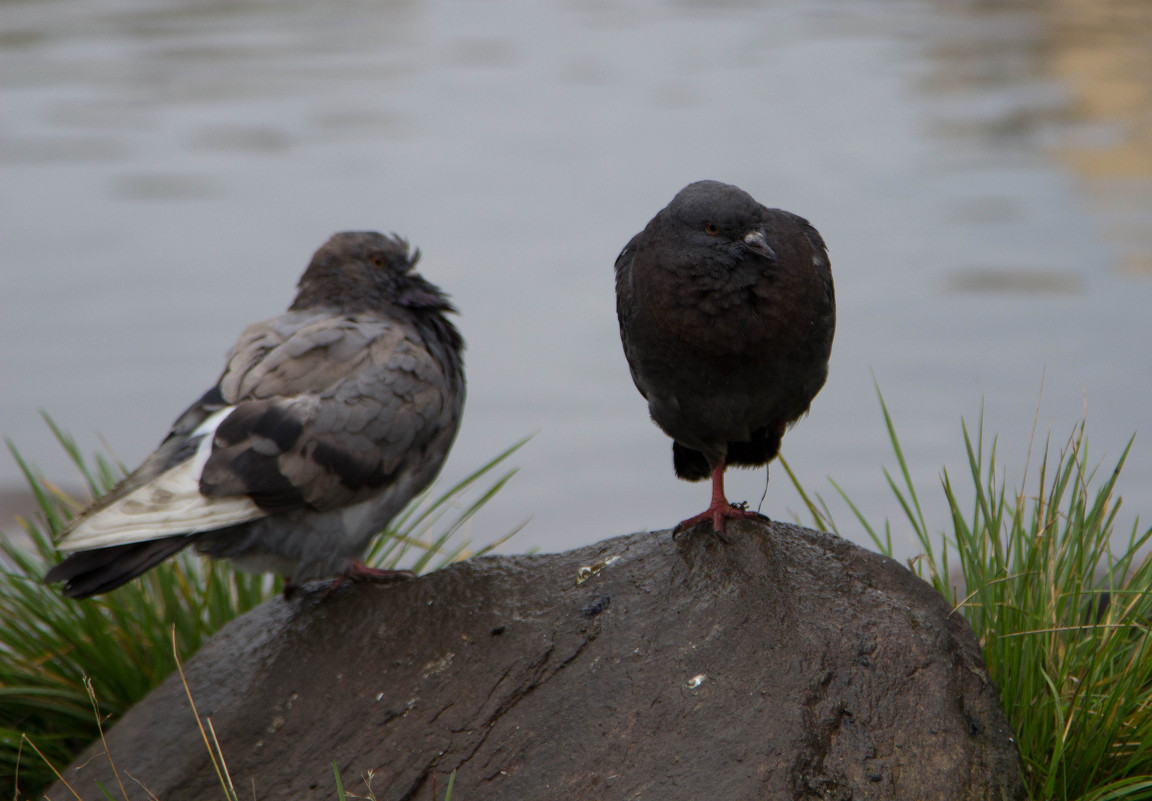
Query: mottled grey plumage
{"type": "Point", "coordinates": [326, 421]}
{"type": "Point", "coordinates": [726, 313]}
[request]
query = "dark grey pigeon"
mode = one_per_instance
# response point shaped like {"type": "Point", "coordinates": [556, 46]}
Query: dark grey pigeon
{"type": "Point", "coordinates": [326, 421]}
{"type": "Point", "coordinates": [726, 313]}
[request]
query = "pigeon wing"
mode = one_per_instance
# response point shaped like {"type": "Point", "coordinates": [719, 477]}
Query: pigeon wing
{"type": "Point", "coordinates": [330, 416]}
{"type": "Point", "coordinates": [625, 305]}
{"type": "Point", "coordinates": [162, 496]}
{"type": "Point", "coordinates": [311, 411]}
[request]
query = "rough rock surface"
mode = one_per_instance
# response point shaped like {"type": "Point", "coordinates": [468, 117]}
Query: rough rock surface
{"type": "Point", "coordinates": [786, 664]}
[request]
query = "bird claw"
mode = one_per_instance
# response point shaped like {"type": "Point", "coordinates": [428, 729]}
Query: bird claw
{"type": "Point", "coordinates": [687, 525]}
{"type": "Point", "coordinates": [356, 571]}
{"type": "Point", "coordinates": [718, 515]}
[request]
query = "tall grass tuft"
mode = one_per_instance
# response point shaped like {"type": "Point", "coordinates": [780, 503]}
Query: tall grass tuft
{"type": "Point", "coordinates": [122, 642]}
{"type": "Point", "coordinates": [1059, 600]}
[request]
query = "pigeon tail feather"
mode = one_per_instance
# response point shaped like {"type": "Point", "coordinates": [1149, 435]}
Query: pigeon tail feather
{"type": "Point", "coordinates": [99, 570]}
{"type": "Point", "coordinates": [691, 464]}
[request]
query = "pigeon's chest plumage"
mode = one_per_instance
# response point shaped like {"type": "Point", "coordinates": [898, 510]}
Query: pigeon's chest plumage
{"type": "Point", "coordinates": [726, 314]}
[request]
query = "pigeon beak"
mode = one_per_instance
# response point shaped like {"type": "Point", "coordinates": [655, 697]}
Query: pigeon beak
{"type": "Point", "coordinates": [755, 241]}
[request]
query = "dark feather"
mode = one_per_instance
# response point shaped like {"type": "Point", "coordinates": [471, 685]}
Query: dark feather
{"type": "Point", "coordinates": [97, 571]}
{"type": "Point", "coordinates": [355, 471]}
{"type": "Point", "coordinates": [691, 465]}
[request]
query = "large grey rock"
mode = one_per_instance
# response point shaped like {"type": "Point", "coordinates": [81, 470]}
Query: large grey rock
{"type": "Point", "coordinates": [786, 664]}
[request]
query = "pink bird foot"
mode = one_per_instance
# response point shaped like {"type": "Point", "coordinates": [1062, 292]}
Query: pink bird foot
{"type": "Point", "coordinates": [719, 511]}
{"type": "Point", "coordinates": [356, 571]}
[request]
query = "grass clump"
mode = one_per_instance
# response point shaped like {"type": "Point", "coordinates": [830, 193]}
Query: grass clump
{"type": "Point", "coordinates": [57, 655]}
{"type": "Point", "coordinates": [1059, 600]}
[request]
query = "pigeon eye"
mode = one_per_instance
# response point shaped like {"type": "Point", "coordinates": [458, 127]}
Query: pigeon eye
{"type": "Point", "coordinates": [711, 228]}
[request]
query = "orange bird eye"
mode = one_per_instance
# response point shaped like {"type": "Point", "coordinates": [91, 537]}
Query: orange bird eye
{"type": "Point", "coordinates": [711, 228]}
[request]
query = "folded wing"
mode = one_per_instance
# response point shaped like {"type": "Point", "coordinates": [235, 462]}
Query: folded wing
{"type": "Point", "coordinates": [312, 411]}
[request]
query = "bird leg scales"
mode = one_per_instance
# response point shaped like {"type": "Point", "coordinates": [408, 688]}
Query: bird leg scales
{"type": "Point", "coordinates": [356, 571]}
{"type": "Point", "coordinates": [720, 510]}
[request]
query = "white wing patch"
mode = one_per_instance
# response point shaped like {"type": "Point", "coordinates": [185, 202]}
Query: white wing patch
{"type": "Point", "coordinates": [170, 504]}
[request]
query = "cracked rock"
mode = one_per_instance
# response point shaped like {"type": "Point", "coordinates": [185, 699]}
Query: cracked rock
{"type": "Point", "coordinates": [785, 664]}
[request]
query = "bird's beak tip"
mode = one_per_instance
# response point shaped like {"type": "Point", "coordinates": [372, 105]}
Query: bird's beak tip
{"type": "Point", "coordinates": [755, 241]}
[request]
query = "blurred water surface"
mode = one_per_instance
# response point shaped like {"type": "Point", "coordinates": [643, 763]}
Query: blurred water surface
{"type": "Point", "coordinates": [981, 171]}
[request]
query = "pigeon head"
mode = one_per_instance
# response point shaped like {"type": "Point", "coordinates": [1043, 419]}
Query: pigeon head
{"type": "Point", "coordinates": [364, 270]}
{"type": "Point", "coordinates": [722, 218]}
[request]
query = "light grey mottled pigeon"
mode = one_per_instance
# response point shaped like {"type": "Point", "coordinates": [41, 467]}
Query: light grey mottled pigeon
{"type": "Point", "coordinates": [727, 313]}
{"type": "Point", "coordinates": [326, 421]}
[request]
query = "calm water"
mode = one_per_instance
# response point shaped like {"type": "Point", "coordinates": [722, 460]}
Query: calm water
{"type": "Point", "coordinates": [982, 173]}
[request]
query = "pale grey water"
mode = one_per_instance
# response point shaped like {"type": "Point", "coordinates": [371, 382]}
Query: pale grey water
{"type": "Point", "coordinates": [982, 174]}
